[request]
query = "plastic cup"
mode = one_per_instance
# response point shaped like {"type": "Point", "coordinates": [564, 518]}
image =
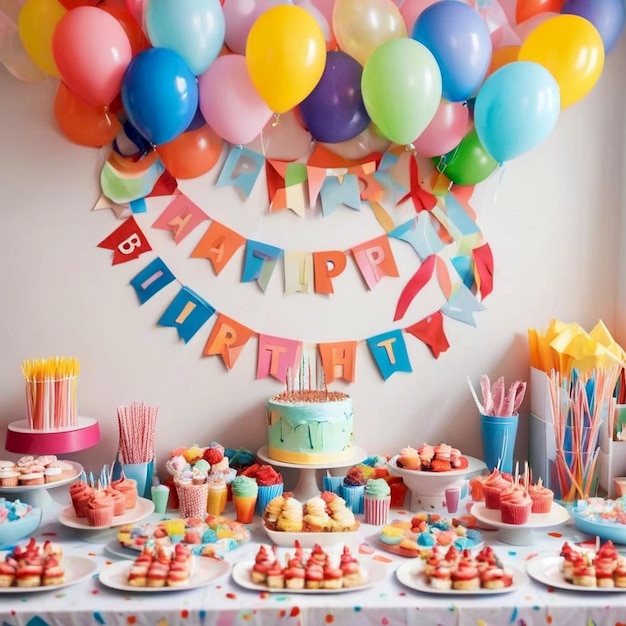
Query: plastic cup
{"type": "Point", "coordinates": [498, 436]}
{"type": "Point", "coordinates": [160, 496]}
{"type": "Point", "coordinates": [216, 499]}
{"type": "Point", "coordinates": [453, 495]}
{"type": "Point", "coordinates": [192, 499]}
{"type": "Point", "coordinates": [244, 508]}
{"type": "Point", "coordinates": [142, 474]}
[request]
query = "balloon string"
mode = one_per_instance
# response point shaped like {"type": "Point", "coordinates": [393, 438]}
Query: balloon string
{"type": "Point", "coordinates": [276, 120]}
{"type": "Point", "coordinates": [106, 115]}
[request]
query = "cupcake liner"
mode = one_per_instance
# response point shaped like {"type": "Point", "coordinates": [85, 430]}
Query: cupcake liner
{"type": "Point", "coordinates": [99, 517]}
{"type": "Point", "coordinates": [515, 513]}
{"type": "Point", "coordinates": [192, 499]}
{"type": "Point", "coordinates": [376, 510]}
{"type": "Point", "coordinates": [333, 483]}
{"type": "Point", "coordinates": [354, 495]}
{"type": "Point", "coordinates": [267, 493]}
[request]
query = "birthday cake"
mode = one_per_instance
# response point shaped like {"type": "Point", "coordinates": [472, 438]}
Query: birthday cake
{"type": "Point", "coordinates": [310, 427]}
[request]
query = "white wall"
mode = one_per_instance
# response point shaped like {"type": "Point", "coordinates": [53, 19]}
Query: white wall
{"type": "Point", "coordinates": [551, 218]}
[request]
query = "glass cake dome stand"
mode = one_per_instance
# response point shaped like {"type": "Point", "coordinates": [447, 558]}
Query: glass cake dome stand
{"type": "Point", "coordinates": [307, 485]}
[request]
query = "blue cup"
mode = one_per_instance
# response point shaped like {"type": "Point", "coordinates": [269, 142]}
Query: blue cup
{"type": "Point", "coordinates": [333, 483]}
{"type": "Point", "coordinates": [354, 497]}
{"type": "Point", "coordinates": [498, 435]}
{"type": "Point", "coordinates": [142, 474]}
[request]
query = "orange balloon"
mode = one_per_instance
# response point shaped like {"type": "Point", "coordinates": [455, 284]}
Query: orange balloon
{"type": "Point", "coordinates": [136, 36]}
{"type": "Point", "coordinates": [192, 153]}
{"type": "Point", "coordinates": [502, 56]}
{"type": "Point", "coordinates": [526, 9]}
{"type": "Point", "coordinates": [82, 123]}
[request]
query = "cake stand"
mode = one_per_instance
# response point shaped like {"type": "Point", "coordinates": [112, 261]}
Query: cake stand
{"type": "Point", "coordinates": [520, 535]}
{"type": "Point", "coordinates": [307, 486]}
{"type": "Point", "coordinates": [24, 440]}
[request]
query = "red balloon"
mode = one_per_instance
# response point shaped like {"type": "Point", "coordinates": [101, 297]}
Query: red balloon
{"type": "Point", "coordinates": [136, 36]}
{"type": "Point", "coordinates": [82, 123]}
{"type": "Point", "coordinates": [526, 9]}
{"type": "Point", "coordinates": [192, 153]}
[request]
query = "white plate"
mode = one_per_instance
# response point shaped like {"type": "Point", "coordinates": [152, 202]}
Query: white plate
{"type": "Point", "coordinates": [411, 574]}
{"type": "Point", "coordinates": [547, 570]}
{"type": "Point", "coordinates": [115, 548]}
{"type": "Point", "coordinates": [78, 468]}
{"type": "Point", "coordinates": [205, 572]}
{"type": "Point", "coordinates": [308, 540]}
{"type": "Point", "coordinates": [374, 573]}
{"type": "Point", "coordinates": [142, 509]}
{"type": "Point", "coordinates": [77, 568]}
{"type": "Point", "coordinates": [558, 515]}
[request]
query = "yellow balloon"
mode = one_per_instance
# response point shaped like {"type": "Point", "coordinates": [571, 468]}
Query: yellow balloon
{"type": "Point", "coordinates": [285, 56]}
{"type": "Point", "coordinates": [571, 49]}
{"type": "Point", "coordinates": [36, 24]}
{"type": "Point", "coordinates": [360, 27]}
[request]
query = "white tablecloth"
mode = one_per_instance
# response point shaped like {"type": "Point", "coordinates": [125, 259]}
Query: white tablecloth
{"type": "Point", "coordinates": [388, 603]}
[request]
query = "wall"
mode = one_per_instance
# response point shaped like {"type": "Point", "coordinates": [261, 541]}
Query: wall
{"type": "Point", "coordinates": [551, 218]}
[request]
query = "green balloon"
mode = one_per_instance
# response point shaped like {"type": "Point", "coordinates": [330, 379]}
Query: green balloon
{"type": "Point", "coordinates": [401, 89]}
{"type": "Point", "coordinates": [469, 163]}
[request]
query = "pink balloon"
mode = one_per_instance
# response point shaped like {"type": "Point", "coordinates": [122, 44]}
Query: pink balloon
{"type": "Point", "coordinates": [136, 8]}
{"type": "Point", "coordinates": [229, 103]}
{"type": "Point", "coordinates": [411, 9]}
{"type": "Point", "coordinates": [239, 15]}
{"type": "Point", "coordinates": [445, 131]}
{"type": "Point", "coordinates": [319, 18]}
{"type": "Point", "coordinates": [283, 139]}
{"type": "Point", "coordinates": [527, 26]}
{"type": "Point", "coordinates": [497, 22]}
{"type": "Point", "coordinates": [361, 146]}
{"type": "Point", "coordinates": [92, 51]}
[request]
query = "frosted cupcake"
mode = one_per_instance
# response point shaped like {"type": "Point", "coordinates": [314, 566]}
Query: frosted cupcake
{"type": "Point", "coordinates": [492, 487]}
{"type": "Point", "coordinates": [541, 496]}
{"type": "Point", "coordinates": [99, 510]}
{"type": "Point", "coordinates": [128, 487]}
{"type": "Point", "coordinates": [80, 493]}
{"type": "Point", "coordinates": [515, 505]}
{"type": "Point", "coordinates": [376, 501]}
{"type": "Point", "coordinates": [9, 477]}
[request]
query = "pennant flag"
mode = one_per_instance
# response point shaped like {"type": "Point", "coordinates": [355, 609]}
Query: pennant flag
{"type": "Point", "coordinates": [127, 242]}
{"type": "Point", "coordinates": [277, 356]}
{"type": "Point", "coordinates": [414, 286]}
{"type": "Point", "coordinates": [371, 189]}
{"type": "Point", "coordinates": [138, 206]}
{"type": "Point", "coordinates": [228, 338]}
{"type": "Point", "coordinates": [315, 181]}
{"type": "Point", "coordinates": [484, 269]}
{"type": "Point", "coordinates": [420, 235]}
{"type": "Point", "coordinates": [464, 268]}
{"type": "Point", "coordinates": [338, 360]}
{"type": "Point", "coordinates": [336, 191]}
{"type": "Point", "coordinates": [218, 245]}
{"type": "Point", "coordinates": [422, 200]}
{"type": "Point", "coordinates": [456, 213]}
{"type": "Point", "coordinates": [375, 260]}
{"type": "Point", "coordinates": [259, 263]}
{"type": "Point", "coordinates": [166, 185]}
{"type": "Point", "coordinates": [384, 175]}
{"type": "Point", "coordinates": [151, 280]}
{"type": "Point", "coordinates": [390, 353]}
{"type": "Point", "coordinates": [181, 216]}
{"type": "Point", "coordinates": [298, 272]}
{"type": "Point", "coordinates": [241, 169]}
{"type": "Point", "coordinates": [121, 210]}
{"type": "Point", "coordinates": [443, 277]}
{"type": "Point", "coordinates": [187, 313]}
{"type": "Point", "coordinates": [383, 217]}
{"type": "Point", "coordinates": [327, 265]}
{"type": "Point", "coordinates": [430, 331]}
{"type": "Point", "coordinates": [462, 305]}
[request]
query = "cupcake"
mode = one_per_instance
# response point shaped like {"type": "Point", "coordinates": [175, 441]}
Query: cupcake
{"type": "Point", "coordinates": [315, 518]}
{"type": "Point", "coordinates": [52, 473]}
{"type": "Point", "coordinates": [270, 484]}
{"type": "Point", "coordinates": [119, 500]}
{"type": "Point", "coordinates": [99, 509]}
{"type": "Point", "coordinates": [493, 485]}
{"type": "Point", "coordinates": [128, 487]}
{"type": "Point", "coordinates": [80, 493]}
{"type": "Point", "coordinates": [9, 477]}
{"type": "Point", "coordinates": [409, 459]}
{"type": "Point", "coordinates": [515, 505]}
{"type": "Point", "coordinates": [31, 478]}
{"type": "Point", "coordinates": [376, 501]}
{"type": "Point", "coordinates": [541, 496]}
{"type": "Point", "coordinates": [291, 517]}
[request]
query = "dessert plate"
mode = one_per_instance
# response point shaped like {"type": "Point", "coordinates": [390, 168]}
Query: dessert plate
{"type": "Point", "coordinates": [373, 572]}
{"type": "Point", "coordinates": [411, 554]}
{"type": "Point", "coordinates": [547, 570]}
{"type": "Point", "coordinates": [205, 572]}
{"type": "Point", "coordinates": [142, 509]}
{"type": "Point", "coordinates": [309, 539]}
{"type": "Point", "coordinates": [558, 515]}
{"type": "Point", "coordinates": [411, 574]}
{"type": "Point", "coordinates": [77, 568]}
{"type": "Point", "coordinates": [78, 468]}
{"type": "Point", "coordinates": [115, 548]}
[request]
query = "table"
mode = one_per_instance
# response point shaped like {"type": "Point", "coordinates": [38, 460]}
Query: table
{"type": "Point", "coordinates": [389, 603]}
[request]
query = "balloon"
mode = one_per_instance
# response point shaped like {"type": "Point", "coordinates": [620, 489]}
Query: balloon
{"type": "Point", "coordinates": [525, 9]}
{"type": "Point", "coordinates": [502, 56]}
{"type": "Point", "coordinates": [525, 28]}
{"type": "Point", "coordinates": [160, 94]}
{"type": "Point", "coordinates": [285, 55]}
{"type": "Point", "coordinates": [401, 87]}
{"type": "Point", "coordinates": [321, 20]}
{"type": "Point", "coordinates": [229, 102]}
{"type": "Point", "coordinates": [191, 154]}
{"type": "Point", "coordinates": [284, 139]}
{"type": "Point", "coordinates": [360, 27]}
{"type": "Point", "coordinates": [361, 146]}
{"type": "Point", "coordinates": [193, 28]}
{"type": "Point", "coordinates": [410, 10]}
{"type": "Point", "coordinates": [82, 123]}
{"type": "Point", "coordinates": [72, 4]}
{"type": "Point", "coordinates": [334, 110]}
{"type": "Point", "coordinates": [468, 163]}
{"type": "Point", "coordinates": [445, 130]}
{"type": "Point", "coordinates": [460, 42]}
{"type": "Point", "coordinates": [136, 8]}
{"type": "Point", "coordinates": [516, 109]}
{"type": "Point", "coordinates": [136, 36]}
{"type": "Point", "coordinates": [12, 53]}
{"type": "Point", "coordinates": [92, 51]}
{"type": "Point", "coordinates": [36, 24]}
{"type": "Point", "coordinates": [606, 15]}
{"type": "Point", "coordinates": [571, 49]}
{"type": "Point", "coordinates": [239, 15]}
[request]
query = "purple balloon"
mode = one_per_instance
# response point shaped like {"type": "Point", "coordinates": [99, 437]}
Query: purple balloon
{"type": "Point", "coordinates": [606, 15]}
{"type": "Point", "coordinates": [334, 110]}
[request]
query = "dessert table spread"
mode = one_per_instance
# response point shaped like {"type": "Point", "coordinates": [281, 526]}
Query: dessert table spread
{"type": "Point", "coordinates": [387, 602]}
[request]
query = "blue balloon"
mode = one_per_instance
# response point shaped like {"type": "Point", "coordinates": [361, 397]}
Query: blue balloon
{"type": "Point", "coordinates": [193, 28]}
{"type": "Point", "coordinates": [516, 109]}
{"type": "Point", "coordinates": [159, 94]}
{"type": "Point", "coordinates": [606, 15]}
{"type": "Point", "coordinates": [459, 40]}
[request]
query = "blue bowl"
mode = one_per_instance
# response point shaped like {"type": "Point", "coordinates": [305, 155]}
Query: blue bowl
{"type": "Point", "coordinates": [12, 532]}
{"type": "Point", "coordinates": [605, 530]}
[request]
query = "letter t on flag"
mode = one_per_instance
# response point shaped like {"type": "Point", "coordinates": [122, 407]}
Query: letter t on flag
{"type": "Point", "coordinates": [389, 353]}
